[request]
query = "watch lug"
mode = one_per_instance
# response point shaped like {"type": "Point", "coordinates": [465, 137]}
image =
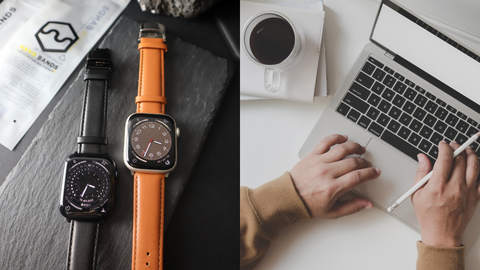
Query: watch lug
{"type": "Point", "coordinates": [166, 175]}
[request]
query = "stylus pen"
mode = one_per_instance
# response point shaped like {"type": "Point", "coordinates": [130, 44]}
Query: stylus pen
{"type": "Point", "coordinates": [427, 177]}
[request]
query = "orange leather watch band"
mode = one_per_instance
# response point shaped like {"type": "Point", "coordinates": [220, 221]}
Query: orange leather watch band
{"type": "Point", "coordinates": [151, 75]}
{"type": "Point", "coordinates": [148, 214]}
{"type": "Point", "coordinates": [149, 188]}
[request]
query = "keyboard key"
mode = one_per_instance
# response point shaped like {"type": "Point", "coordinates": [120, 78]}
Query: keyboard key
{"type": "Point", "coordinates": [471, 131]}
{"type": "Point", "coordinates": [410, 94]}
{"type": "Point", "coordinates": [378, 88]}
{"type": "Point", "coordinates": [374, 99]}
{"type": "Point", "coordinates": [461, 115]}
{"type": "Point", "coordinates": [440, 102]}
{"type": "Point", "coordinates": [398, 101]}
{"type": "Point", "coordinates": [440, 127]}
{"type": "Point", "coordinates": [343, 109]}
{"type": "Point", "coordinates": [389, 81]}
{"type": "Point", "coordinates": [405, 119]}
{"type": "Point", "coordinates": [379, 74]}
{"type": "Point", "coordinates": [461, 139]}
{"type": "Point", "coordinates": [420, 100]}
{"type": "Point", "coordinates": [353, 115]}
{"type": "Point", "coordinates": [451, 120]}
{"type": "Point", "coordinates": [451, 109]}
{"type": "Point", "coordinates": [409, 107]}
{"type": "Point", "coordinates": [383, 120]}
{"type": "Point", "coordinates": [451, 133]}
{"type": "Point", "coordinates": [375, 62]}
{"type": "Point", "coordinates": [384, 106]}
{"type": "Point", "coordinates": [431, 107]}
{"type": "Point", "coordinates": [416, 125]}
{"type": "Point", "coordinates": [429, 120]}
{"type": "Point", "coordinates": [399, 77]}
{"type": "Point", "coordinates": [419, 114]}
{"type": "Point", "coordinates": [426, 132]}
{"type": "Point", "coordinates": [364, 80]}
{"type": "Point", "coordinates": [400, 144]}
{"type": "Point", "coordinates": [375, 129]}
{"type": "Point", "coordinates": [404, 132]}
{"type": "Point", "coordinates": [420, 89]}
{"type": "Point", "coordinates": [395, 113]}
{"type": "Point", "coordinates": [389, 70]}
{"type": "Point", "coordinates": [474, 146]}
{"type": "Point", "coordinates": [359, 90]}
{"type": "Point", "coordinates": [409, 83]}
{"type": "Point", "coordinates": [355, 102]}
{"type": "Point", "coordinates": [388, 94]}
{"type": "Point", "coordinates": [373, 113]}
{"type": "Point", "coordinates": [393, 126]}
{"type": "Point", "coordinates": [364, 121]}
{"type": "Point", "coordinates": [430, 96]}
{"type": "Point", "coordinates": [368, 68]}
{"type": "Point", "coordinates": [436, 138]}
{"type": "Point", "coordinates": [425, 146]}
{"type": "Point", "coordinates": [472, 122]}
{"type": "Point", "coordinates": [441, 113]}
{"type": "Point", "coordinates": [400, 87]}
{"type": "Point", "coordinates": [462, 126]}
{"type": "Point", "coordinates": [434, 152]}
{"type": "Point", "coordinates": [414, 139]}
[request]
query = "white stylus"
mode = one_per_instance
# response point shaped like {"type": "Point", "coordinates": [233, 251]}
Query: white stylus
{"type": "Point", "coordinates": [427, 177]}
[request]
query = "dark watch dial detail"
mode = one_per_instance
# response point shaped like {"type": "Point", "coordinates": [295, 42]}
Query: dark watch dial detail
{"type": "Point", "coordinates": [151, 140]}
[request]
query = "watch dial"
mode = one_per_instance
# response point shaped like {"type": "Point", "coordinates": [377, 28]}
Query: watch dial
{"type": "Point", "coordinates": [87, 184]}
{"type": "Point", "coordinates": [151, 140]}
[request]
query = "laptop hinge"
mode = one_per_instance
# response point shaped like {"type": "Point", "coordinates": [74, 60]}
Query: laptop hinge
{"type": "Point", "coordinates": [390, 55]}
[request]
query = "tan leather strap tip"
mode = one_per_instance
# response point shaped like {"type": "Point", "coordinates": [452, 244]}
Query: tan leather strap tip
{"type": "Point", "coordinates": [158, 99]}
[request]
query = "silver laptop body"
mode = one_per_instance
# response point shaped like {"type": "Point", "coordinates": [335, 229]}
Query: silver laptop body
{"type": "Point", "coordinates": [398, 168]}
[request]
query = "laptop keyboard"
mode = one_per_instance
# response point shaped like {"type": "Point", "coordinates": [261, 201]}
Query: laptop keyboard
{"type": "Point", "coordinates": [402, 113]}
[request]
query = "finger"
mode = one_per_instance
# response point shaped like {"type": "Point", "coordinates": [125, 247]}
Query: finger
{"type": "Point", "coordinates": [459, 166]}
{"type": "Point", "coordinates": [351, 180]}
{"type": "Point", "coordinates": [347, 165]}
{"type": "Point", "coordinates": [342, 150]}
{"type": "Point", "coordinates": [326, 143]}
{"type": "Point", "coordinates": [472, 168]}
{"type": "Point", "coordinates": [349, 207]}
{"type": "Point", "coordinates": [443, 165]}
{"type": "Point", "coordinates": [424, 168]}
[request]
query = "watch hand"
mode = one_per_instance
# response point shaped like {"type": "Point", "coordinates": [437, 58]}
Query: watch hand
{"type": "Point", "coordinates": [148, 147]}
{"type": "Point", "coordinates": [157, 142]}
{"type": "Point", "coordinates": [91, 186]}
{"type": "Point", "coordinates": [85, 189]}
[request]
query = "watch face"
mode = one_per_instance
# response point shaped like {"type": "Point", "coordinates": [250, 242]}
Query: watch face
{"type": "Point", "coordinates": [88, 188]}
{"type": "Point", "coordinates": [150, 142]}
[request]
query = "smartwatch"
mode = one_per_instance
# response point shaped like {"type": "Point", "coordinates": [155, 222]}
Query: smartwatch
{"type": "Point", "coordinates": [88, 187]}
{"type": "Point", "coordinates": [150, 150]}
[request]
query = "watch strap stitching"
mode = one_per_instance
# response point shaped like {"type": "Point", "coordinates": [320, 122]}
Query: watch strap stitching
{"type": "Point", "coordinates": [70, 245]}
{"type": "Point", "coordinates": [85, 101]}
{"type": "Point", "coordinates": [160, 240]}
{"type": "Point", "coordinates": [94, 261]}
{"type": "Point", "coordinates": [134, 266]}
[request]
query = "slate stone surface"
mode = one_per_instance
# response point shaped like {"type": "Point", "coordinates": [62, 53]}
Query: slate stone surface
{"type": "Point", "coordinates": [33, 234]}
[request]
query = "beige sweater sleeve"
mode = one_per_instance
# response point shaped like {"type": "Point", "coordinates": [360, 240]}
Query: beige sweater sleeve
{"type": "Point", "coordinates": [440, 258]}
{"type": "Point", "coordinates": [264, 212]}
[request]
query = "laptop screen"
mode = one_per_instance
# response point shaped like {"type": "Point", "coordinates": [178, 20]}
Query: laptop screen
{"type": "Point", "coordinates": [403, 34]}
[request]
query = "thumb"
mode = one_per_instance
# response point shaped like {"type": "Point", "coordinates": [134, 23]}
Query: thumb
{"type": "Point", "coordinates": [424, 167]}
{"type": "Point", "coordinates": [349, 207]}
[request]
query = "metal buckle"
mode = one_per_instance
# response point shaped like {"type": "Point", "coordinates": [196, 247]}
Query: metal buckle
{"type": "Point", "coordinates": [152, 30]}
{"type": "Point", "coordinates": [99, 63]}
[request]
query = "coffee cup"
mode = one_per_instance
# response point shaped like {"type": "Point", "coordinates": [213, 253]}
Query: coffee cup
{"type": "Point", "coordinates": [271, 40]}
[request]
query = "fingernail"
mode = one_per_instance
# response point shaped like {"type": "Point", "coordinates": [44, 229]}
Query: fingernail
{"type": "Point", "coordinates": [369, 206]}
{"type": "Point", "coordinates": [453, 142]}
{"type": "Point", "coordinates": [378, 170]}
{"type": "Point", "coordinates": [418, 158]}
{"type": "Point", "coordinates": [469, 147]}
{"type": "Point", "coordinates": [369, 164]}
{"type": "Point", "coordinates": [345, 136]}
{"type": "Point", "coordinates": [443, 141]}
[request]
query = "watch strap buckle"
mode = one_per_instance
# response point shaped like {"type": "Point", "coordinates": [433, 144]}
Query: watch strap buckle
{"type": "Point", "coordinates": [152, 30]}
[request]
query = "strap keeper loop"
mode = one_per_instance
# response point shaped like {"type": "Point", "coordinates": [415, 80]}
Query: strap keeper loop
{"type": "Point", "coordinates": [157, 99]}
{"type": "Point", "coordinates": [92, 140]}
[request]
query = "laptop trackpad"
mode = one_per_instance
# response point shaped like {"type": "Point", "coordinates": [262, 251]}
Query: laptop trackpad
{"type": "Point", "coordinates": [398, 173]}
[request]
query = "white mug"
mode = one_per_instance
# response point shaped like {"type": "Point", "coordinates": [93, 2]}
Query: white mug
{"type": "Point", "coordinates": [271, 40]}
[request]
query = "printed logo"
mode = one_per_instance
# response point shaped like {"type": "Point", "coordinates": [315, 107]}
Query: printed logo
{"type": "Point", "coordinates": [56, 37]}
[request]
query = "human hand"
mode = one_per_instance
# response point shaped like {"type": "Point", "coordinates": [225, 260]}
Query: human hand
{"type": "Point", "coordinates": [324, 175]}
{"type": "Point", "coordinates": [447, 202]}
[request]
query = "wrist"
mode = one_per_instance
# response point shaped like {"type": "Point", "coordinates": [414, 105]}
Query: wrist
{"type": "Point", "coordinates": [442, 241]}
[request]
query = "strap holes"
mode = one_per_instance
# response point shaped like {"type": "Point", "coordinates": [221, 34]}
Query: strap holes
{"type": "Point", "coordinates": [148, 253]}
{"type": "Point", "coordinates": [14, 121]}
{"type": "Point", "coordinates": [148, 264]}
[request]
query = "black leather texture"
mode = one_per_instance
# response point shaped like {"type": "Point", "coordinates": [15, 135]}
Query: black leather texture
{"type": "Point", "coordinates": [82, 245]}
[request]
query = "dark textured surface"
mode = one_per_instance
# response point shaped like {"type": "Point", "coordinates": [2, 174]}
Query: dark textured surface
{"type": "Point", "coordinates": [33, 233]}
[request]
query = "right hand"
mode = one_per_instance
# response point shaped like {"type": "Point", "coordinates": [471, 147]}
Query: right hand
{"type": "Point", "coordinates": [325, 174]}
{"type": "Point", "coordinates": [447, 202]}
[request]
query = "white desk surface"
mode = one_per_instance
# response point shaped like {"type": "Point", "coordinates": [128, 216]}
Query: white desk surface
{"type": "Point", "coordinates": [272, 133]}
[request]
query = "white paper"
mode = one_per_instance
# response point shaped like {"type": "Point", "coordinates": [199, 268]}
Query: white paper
{"type": "Point", "coordinates": [31, 73]}
{"type": "Point", "coordinates": [298, 83]}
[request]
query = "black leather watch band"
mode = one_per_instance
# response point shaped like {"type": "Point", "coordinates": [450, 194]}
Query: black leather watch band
{"type": "Point", "coordinates": [92, 138]}
{"type": "Point", "coordinates": [82, 244]}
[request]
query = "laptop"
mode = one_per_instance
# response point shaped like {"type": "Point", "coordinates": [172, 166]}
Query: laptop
{"type": "Point", "coordinates": [410, 88]}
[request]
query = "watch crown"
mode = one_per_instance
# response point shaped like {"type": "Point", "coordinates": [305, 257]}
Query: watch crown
{"type": "Point", "coordinates": [177, 132]}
